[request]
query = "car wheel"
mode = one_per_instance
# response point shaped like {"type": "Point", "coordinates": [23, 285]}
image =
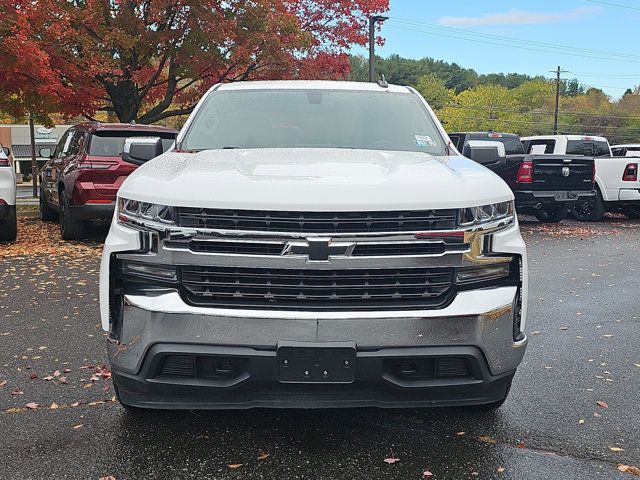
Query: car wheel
{"type": "Point", "coordinates": [551, 214]}
{"type": "Point", "coordinates": [46, 212]}
{"type": "Point", "coordinates": [71, 228]}
{"type": "Point", "coordinates": [592, 211]}
{"type": "Point", "coordinates": [632, 211]}
{"type": "Point", "coordinates": [9, 227]}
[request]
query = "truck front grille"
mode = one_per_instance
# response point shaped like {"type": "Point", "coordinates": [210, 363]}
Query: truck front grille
{"type": "Point", "coordinates": [316, 289]}
{"type": "Point", "coordinates": [318, 222]}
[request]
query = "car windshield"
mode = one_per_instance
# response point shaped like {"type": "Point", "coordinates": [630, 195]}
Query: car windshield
{"type": "Point", "coordinates": [111, 144]}
{"type": "Point", "coordinates": [272, 118]}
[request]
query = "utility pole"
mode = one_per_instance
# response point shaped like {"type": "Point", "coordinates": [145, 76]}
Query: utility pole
{"type": "Point", "coordinates": [557, 110]}
{"type": "Point", "coordinates": [372, 44]}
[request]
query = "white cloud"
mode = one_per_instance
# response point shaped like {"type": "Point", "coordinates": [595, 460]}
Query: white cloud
{"type": "Point", "coordinates": [519, 17]}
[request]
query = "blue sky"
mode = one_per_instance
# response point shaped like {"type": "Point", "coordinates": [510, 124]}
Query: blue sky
{"type": "Point", "coordinates": [595, 40]}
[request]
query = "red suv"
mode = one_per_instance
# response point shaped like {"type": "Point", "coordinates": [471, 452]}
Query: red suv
{"type": "Point", "coordinates": [85, 171]}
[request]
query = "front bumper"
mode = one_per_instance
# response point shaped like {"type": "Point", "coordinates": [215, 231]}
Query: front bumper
{"type": "Point", "coordinates": [528, 201]}
{"type": "Point", "coordinates": [477, 328]}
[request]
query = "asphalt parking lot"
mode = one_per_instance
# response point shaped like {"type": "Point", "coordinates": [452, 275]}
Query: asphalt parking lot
{"type": "Point", "coordinates": [574, 410]}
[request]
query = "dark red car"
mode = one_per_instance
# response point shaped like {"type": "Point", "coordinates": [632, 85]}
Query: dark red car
{"type": "Point", "coordinates": [80, 181]}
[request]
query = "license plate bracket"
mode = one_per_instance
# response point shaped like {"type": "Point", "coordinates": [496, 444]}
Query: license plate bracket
{"type": "Point", "coordinates": [565, 196]}
{"type": "Point", "coordinates": [305, 362]}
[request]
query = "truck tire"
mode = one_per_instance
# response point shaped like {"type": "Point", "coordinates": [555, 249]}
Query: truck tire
{"type": "Point", "coordinates": [632, 211]}
{"type": "Point", "coordinates": [9, 226]}
{"type": "Point", "coordinates": [71, 228]}
{"type": "Point", "coordinates": [47, 213]}
{"type": "Point", "coordinates": [592, 211]}
{"type": "Point", "coordinates": [551, 214]}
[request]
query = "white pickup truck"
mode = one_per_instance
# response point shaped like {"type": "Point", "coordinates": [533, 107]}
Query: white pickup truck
{"type": "Point", "coordinates": [312, 244]}
{"type": "Point", "coordinates": [8, 221]}
{"type": "Point", "coordinates": [617, 182]}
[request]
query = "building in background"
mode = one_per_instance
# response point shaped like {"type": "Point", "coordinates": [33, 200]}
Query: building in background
{"type": "Point", "coordinates": [17, 138]}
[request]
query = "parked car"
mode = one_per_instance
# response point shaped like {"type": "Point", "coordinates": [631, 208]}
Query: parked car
{"type": "Point", "coordinates": [85, 171]}
{"type": "Point", "coordinates": [617, 185]}
{"type": "Point", "coordinates": [545, 186]}
{"type": "Point", "coordinates": [8, 220]}
{"type": "Point", "coordinates": [293, 252]}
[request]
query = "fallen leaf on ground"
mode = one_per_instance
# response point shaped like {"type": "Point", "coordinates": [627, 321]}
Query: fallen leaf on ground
{"type": "Point", "coordinates": [500, 469]}
{"type": "Point", "coordinates": [56, 373]}
{"type": "Point", "coordinates": [487, 439]}
{"type": "Point", "coordinates": [602, 404]}
{"type": "Point", "coordinates": [616, 449]}
{"type": "Point", "coordinates": [262, 456]}
{"type": "Point", "coordinates": [521, 445]}
{"type": "Point", "coordinates": [33, 376]}
{"type": "Point", "coordinates": [108, 477]}
{"type": "Point", "coordinates": [234, 465]}
{"type": "Point", "coordinates": [629, 469]}
{"type": "Point", "coordinates": [3, 383]}
{"type": "Point", "coordinates": [74, 404]}
{"type": "Point", "coordinates": [32, 405]}
{"type": "Point", "coordinates": [427, 473]}
{"type": "Point", "coordinates": [78, 426]}
{"type": "Point", "coordinates": [581, 421]}
{"type": "Point", "coordinates": [53, 406]}
{"type": "Point", "coordinates": [47, 378]}
{"type": "Point", "coordinates": [391, 460]}
{"type": "Point", "coordinates": [16, 391]}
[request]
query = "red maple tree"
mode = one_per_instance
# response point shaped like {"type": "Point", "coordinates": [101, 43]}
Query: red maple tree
{"type": "Point", "coordinates": [147, 60]}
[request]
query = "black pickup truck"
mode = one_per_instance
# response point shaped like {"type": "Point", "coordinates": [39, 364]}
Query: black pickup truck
{"type": "Point", "coordinates": [544, 185]}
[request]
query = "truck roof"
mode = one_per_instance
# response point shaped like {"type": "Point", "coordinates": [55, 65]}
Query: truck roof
{"type": "Point", "coordinates": [627, 145]}
{"type": "Point", "coordinates": [128, 127]}
{"type": "Point", "coordinates": [568, 137]}
{"type": "Point", "coordinates": [312, 85]}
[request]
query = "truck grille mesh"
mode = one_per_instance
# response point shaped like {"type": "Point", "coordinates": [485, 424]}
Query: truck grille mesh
{"type": "Point", "coordinates": [318, 222]}
{"type": "Point", "coordinates": [316, 289]}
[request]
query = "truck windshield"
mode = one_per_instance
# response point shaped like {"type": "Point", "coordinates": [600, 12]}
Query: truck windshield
{"type": "Point", "coordinates": [588, 148]}
{"type": "Point", "coordinates": [110, 143]}
{"type": "Point", "coordinates": [298, 118]}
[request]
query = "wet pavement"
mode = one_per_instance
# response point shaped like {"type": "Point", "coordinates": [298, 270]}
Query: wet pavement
{"type": "Point", "coordinates": [584, 319]}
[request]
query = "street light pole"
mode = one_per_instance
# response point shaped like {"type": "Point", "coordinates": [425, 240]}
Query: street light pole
{"type": "Point", "coordinates": [372, 43]}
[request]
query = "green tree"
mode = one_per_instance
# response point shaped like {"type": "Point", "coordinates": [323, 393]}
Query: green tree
{"type": "Point", "coordinates": [434, 90]}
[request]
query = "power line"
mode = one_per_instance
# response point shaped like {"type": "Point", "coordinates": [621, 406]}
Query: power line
{"type": "Point", "coordinates": [533, 112]}
{"type": "Point", "coordinates": [613, 4]}
{"type": "Point", "coordinates": [460, 31]}
{"type": "Point", "coordinates": [514, 46]}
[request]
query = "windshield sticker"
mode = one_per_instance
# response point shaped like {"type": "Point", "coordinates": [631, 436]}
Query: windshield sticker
{"type": "Point", "coordinates": [424, 141]}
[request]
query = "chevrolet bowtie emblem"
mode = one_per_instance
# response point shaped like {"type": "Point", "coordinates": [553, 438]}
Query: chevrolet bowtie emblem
{"type": "Point", "coordinates": [318, 249]}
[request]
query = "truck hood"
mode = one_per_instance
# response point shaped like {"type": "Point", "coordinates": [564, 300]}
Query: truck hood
{"type": "Point", "coordinates": [314, 180]}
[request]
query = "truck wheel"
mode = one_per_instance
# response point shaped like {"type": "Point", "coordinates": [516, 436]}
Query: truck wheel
{"type": "Point", "coordinates": [632, 211]}
{"type": "Point", "coordinates": [551, 214]}
{"type": "Point", "coordinates": [9, 227]}
{"type": "Point", "coordinates": [592, 211]}
{"type": "Point", "coordinates": [71, 228]}
{"type": "Point", "coordinates": [46, 212]}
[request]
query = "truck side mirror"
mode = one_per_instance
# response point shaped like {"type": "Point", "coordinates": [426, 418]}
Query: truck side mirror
{"type": "Point", "coordinates": [45, 152]}
{"type": "Point", "coordinates": [6, 151]}
{"type": "Point", "coordinates": [484, 152]}
{"type": "Point", "coordinates": [139, 150]}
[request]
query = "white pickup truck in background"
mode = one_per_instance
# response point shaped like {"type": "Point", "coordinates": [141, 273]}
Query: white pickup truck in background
{"type": "Point", "coordinates": [617, 185]}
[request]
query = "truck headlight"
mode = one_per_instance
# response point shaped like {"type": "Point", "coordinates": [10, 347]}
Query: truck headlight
{"type": "Point", "coordinates": [486, 214]}
{"type": "Point", "coordinates": [133, 212]}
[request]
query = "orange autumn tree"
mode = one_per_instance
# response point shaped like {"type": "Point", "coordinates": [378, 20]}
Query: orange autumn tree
{"type": "Point", "coordinates": [148, 60]}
